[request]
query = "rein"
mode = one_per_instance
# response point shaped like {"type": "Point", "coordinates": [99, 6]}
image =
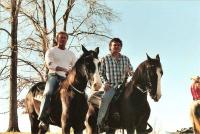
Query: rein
{"type": "Point", "coordinates": [147, 84]}
{"type": "Point", "coordinates": [75, 89]}
{"type": "Point", "coordinates": [86, 74]}
{"type": "Point", "coordinates": [142, 90]}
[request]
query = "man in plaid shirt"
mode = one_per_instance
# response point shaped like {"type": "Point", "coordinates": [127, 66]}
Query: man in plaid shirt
{"type": "Point", "coordinates": [113, 68]}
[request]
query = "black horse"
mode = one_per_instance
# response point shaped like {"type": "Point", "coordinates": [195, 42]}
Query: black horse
{"type": "Point", "coordinates": [69, 104]}
{"type": "Point", "coordinates": [132, 104]}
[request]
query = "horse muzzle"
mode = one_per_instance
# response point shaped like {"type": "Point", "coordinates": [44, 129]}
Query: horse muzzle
{"type": "Point", "coordinates": [156, 98]}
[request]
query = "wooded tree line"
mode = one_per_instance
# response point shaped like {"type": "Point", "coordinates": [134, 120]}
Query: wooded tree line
{"type": "Point", "coordinates": [28, 28]}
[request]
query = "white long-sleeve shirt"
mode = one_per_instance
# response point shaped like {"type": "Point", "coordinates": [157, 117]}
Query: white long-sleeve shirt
{"type": "Point", "coordinates": [57, 57]}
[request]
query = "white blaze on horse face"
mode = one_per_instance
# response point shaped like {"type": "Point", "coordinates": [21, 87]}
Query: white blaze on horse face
{"type": "Point", "coordinates": [158, 71]}
{"type": "Point", "coordinates": [97, 80]}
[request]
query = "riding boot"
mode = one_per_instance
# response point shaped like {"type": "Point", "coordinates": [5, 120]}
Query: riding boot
{"type": "Point", "coordinates": [50, 88]}
{"type": "Point", "coordinates": [43, 108]}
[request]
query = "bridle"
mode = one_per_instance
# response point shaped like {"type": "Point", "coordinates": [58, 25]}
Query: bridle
{"type": "Point", "coordinates": [148, 84]}
{"type": "Point", "coordinates": [76, 90]}
{"type": "Point", "coordinates": [86, 73]}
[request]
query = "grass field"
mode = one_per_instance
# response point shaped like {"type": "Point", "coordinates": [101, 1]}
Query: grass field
{"type": "Point", "coordinates": [25, 133]}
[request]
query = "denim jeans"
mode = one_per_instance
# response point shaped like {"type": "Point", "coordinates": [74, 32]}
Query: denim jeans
{"type": "Point", "coordinates": [50, 88]}
{"type": "Point", "coordinates": [105, 102]}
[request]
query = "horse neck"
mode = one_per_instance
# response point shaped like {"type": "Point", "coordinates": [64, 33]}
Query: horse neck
{"type": "Point", "coordinates": [80, 79]}
{"type": "Point", "coordinates": [136, 85]}
{"type": "Point", "coordinates": [133, 93]}
{"type": "Point", "coordinates": [139, 76]}
{"type": "Point", "coordinates": [75, 78]}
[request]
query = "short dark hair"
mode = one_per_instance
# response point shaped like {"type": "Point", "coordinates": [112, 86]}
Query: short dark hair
{"type": "Point", "coordinates": [115, 40]}
{"type": "Point", "coordinates": [61, 32]}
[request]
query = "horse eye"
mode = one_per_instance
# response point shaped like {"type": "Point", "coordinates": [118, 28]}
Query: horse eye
{"type": "Point", "coordinates": [161, 72]}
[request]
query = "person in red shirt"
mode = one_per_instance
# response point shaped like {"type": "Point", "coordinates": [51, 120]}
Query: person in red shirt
{"type": "Point", "coordinates": [195, 88]}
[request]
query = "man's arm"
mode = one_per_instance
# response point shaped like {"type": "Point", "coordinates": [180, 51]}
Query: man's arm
{"type": "Point", "coordinates": [49, 60]}
{"type": "Point", "coordinates": [102, 72]}
{"type": "Point", "coordinates": [129, 69]}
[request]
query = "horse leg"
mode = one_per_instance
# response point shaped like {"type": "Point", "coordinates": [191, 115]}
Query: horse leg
{"type": "Point", "coordinates": [91, 120]}
{"type": "Point", "coordinates": [110, 131]}
{"type": "Point", "coordinates": [142, 129]}
{"type": "Point", "coordinates": [34, 123]}
{"type": "Point", "coordinates": [130, 131]}
{"type": "Point", "coordinates": [65, 112]}
{"type": "Point", "coordinates": [78, 131]}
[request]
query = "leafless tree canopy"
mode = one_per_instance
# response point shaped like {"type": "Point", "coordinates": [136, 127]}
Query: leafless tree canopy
{"type": "Point", "coordinates": [86, 21]}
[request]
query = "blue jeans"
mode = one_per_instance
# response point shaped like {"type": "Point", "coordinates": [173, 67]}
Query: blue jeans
{"type": "Point", "coordinates": [105, 102]}
{"type": "Point", "coordinates": [50, 88]}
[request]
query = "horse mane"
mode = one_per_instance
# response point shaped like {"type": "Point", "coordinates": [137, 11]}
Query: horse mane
{"type": "Point", "coordinates": [68, 80]}
{"type": "Point", "coordinates": [135, 78]}
{"type": "Point", "coordinates": [137, 74]}
{"type": "Point", "coordinates": [72, 73]}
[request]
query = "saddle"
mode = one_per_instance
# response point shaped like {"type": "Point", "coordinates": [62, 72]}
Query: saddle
{"type": "Point", "coordinates": [95, 98]}
{"type": "Point", "coordinates": [38, 95]}
{"type": "Point", "coordinates": [113, 110]}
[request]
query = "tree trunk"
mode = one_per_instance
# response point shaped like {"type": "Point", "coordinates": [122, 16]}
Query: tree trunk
{"type": "Point", "coordinates": [13, 118]}
{"type": "Point", "coordinates": [54, 23]}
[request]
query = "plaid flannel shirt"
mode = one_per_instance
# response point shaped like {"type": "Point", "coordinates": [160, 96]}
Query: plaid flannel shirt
{"type": "Point", "coordinates": [112, 70]}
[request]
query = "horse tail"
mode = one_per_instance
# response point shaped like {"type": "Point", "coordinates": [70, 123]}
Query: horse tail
{"type": "Point", "coordinates": [195, 115]}
{"type": "Point", "coordinates": [150, 129]}
{"type": "Point", "coordinates": [33, 91]}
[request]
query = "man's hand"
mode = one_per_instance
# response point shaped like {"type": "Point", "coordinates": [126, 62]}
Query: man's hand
{"type": "Point", "coordinates": [67, 71]}
{"type": "Point", "coordinates": [107, 86]}
{"type": "Point", "coordinates": [58, 68]}
{"type": "Point", "coordinates": [128, 71]}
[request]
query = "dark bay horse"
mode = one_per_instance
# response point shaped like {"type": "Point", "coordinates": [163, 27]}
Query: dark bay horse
{"type": "Point", "coordinates": [69, 104]}
{"type": "Point", "coordinates": [132, 104]}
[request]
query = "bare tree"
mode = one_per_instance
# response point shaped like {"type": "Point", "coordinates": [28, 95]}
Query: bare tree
{"type": "Point", "coordinates": [13, 118]}
{"type": "Point", "coordinates": [37, 21]}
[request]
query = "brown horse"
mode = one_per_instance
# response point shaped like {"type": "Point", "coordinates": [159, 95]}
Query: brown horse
{"type": "Point", "coordinates": [132, 104]}
{"type": "Point", "coordinates": [69, 104]}
{"type": "Point", "coordinates": [195, 116]}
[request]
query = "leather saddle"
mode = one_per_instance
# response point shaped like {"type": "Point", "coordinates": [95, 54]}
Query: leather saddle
{"type": "Point", "coordinates": [113, 110]}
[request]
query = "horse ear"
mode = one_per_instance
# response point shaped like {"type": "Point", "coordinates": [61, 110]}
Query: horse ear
{"type": "Point", "coordinates": [84, 49]}
{"type": "Point", "coordinates": [97, 50]}
{"type": "Point", "coordinates": [157, 57]}
{"type": "Point", "coordinates": [149, 58]}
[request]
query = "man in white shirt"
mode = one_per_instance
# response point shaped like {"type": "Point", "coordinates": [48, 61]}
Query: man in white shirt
{"type": "Point", "coordinates": [59, 61]}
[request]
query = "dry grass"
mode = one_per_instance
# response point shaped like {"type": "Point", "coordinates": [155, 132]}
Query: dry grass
{"type": "Point", "coordinates": [25, 133]}
{"type": "Point", "coordinates": [14, 133]}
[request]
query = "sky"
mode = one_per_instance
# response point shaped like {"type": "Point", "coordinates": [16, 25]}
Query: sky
{"type": "Point", "coordinates": [170, 28]}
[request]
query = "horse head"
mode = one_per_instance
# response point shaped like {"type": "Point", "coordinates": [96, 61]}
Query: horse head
{"type": "Point", "coordinates": [91, 63]}
{"type": "Point", "coordinates": [149, 75]}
